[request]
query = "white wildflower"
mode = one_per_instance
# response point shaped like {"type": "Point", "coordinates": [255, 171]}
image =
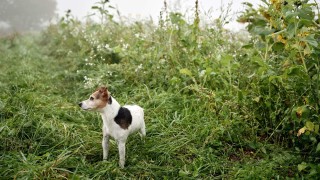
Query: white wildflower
{"type": "Point", "coordinates": [125, 46]}
{"type": "Point", "coordinates": [138, 68]}
{"type": "Point", "coordinates": [162, 61]}
{"type": "Point", "coordinates": [202, 73]}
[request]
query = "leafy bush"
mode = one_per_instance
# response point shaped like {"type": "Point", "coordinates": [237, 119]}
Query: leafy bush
{"type": "Point", "coordinates": [285, 53]}
{"type": "Point", "coordinates": [216, 102]}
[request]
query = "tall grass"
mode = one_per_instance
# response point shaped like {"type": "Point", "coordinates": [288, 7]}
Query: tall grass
{"type": "Point", "coordinates": [196, 84]}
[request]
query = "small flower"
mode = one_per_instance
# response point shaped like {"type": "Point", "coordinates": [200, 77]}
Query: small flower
{"type": "Point", "coordinates": [137, 35]}
{"type": "Point", "coordinates": [162, 61]}
{"type": "Point", "coordinates": [138, 68]}
{"type": "Point", "coordinates": [125, 46]}
{"type": "Point", "coordinates": [202, 73]}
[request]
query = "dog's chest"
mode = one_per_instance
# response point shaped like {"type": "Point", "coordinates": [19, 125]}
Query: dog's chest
{"type": "Point", "coordinates": [117, 124]}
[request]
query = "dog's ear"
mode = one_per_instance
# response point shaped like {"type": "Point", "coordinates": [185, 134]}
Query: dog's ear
{"type": "Point", "coordinates": [104, 93]}
{"type": "Point", "coordinates": [102, 89]}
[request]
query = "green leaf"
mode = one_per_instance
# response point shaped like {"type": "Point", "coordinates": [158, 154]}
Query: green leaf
{"type": "Point", "coordinates": [240, 96]}
{"type": "Point", "coordinates": [313, 172]}
{"type": "Point", "coordinates": [306, 13]}
{"type": "Point", "coordinates": [247, 46]}
{"type": "Point", "coordinates": [291, 30]}
{"type": "Point", "coordinates": [310, 126]}
{"type": "Point", "coordinates": [176, 18]}
{"type": "Point", "coordinates": [289, 15]}
{"type": "Point", "coordinates": [186, 71]}
{"type": "Point", "coordinates": [302, 166]}
{"type": "Point", "coordinates": [276, 78]}
{"type": "Point", "coordinates": [295, 71]}
{"type": "Point", "coordinates": [278, 46]}
{"type": "Point", "coordinates": [226, 59]}
{"type": "Point", "coordinates": [311, 40]}
{"type": "Point", "coordinates": [262, 30]}
{"type": "Point", "coordinates": [307, 51]}
{"type": "Point", "coordinates": [258, 61]}
{"type": "Point", "coordinates": [95, 7]}
{"type": "Point", "coordinates": [305, 23]}
{"type": "Point", "coordinates": [318, 147]}
{"type": "Point", "coordinates": [247, 4]}
{"type": "Point", "coordinates": [316, 128]}
{"type": "Point", "coordinates": [209, 70]}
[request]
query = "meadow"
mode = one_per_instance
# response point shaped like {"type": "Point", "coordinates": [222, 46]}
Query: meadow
{"type": "Point", "coordinates": [218, 104]}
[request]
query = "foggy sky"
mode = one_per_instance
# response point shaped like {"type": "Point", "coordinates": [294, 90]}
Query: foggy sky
{"type": "Point", "coordinates": [145, 9]}
{"type": "Point", "coordinates": [142, 9]}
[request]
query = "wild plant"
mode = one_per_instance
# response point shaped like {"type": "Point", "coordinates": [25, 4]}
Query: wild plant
{"type": "Point", "coordinates": [284, 52]}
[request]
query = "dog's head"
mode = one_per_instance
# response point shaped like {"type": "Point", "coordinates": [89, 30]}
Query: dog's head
{"type": "Point", "coordinates": [97, 100]}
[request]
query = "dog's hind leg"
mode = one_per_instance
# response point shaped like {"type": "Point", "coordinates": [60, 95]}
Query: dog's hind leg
{"type": "Point", "coordinates": [143, 130]}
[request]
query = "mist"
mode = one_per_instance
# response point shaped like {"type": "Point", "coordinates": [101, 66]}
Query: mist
{"type": "Point", "coordinates": [34, 15]}
{"type": "Point", "coordinates": [25, 15]}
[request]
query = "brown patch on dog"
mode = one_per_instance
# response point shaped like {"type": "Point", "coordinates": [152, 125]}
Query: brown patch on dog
{"type": "Point", "coordinates": [101, 96]}
{"type": "Point", "coordinates": [103, 93]}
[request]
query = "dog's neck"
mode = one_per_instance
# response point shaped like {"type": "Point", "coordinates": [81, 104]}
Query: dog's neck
{"type": "Point", "coordinates": [111, 109]}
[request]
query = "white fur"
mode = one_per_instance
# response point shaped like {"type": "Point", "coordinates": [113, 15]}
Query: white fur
{"type": "Point", "coordinates": [111, 128]}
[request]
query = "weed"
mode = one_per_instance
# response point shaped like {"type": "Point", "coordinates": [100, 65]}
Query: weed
{"type": "Point", "coordinates": [216, 106]}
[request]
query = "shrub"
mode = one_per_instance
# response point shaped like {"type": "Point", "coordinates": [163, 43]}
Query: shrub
{"type": "Point", "coordinates": [285, 57]}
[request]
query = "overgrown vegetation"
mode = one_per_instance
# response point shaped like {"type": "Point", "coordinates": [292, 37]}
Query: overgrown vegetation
{"type": "Point", "coordinates": [218, 105]}
{"type": "Point", "coordinates": [285, 50]}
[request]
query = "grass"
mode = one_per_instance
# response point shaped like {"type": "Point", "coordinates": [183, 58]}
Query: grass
{"type": "Point", "coordinates": [217, 105]}
{"type": "Point", "coordinates": [45, 135]}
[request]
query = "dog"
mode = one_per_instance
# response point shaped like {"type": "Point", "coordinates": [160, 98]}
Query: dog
{"type": "Point", "coordinates": [118, 122]}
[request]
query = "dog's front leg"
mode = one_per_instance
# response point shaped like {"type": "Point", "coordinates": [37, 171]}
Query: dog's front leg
{"type": "Point", "coordinates": [105, 145]}
{"type": "Point", "coordinates": [122, 153]}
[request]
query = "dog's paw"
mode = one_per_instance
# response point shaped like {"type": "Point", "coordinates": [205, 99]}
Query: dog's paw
{"type": "Point", "coordinates": [121, 165]}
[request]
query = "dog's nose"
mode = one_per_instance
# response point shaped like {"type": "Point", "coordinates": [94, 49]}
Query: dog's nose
{"type": "Point", "coordinates": [80, 104]}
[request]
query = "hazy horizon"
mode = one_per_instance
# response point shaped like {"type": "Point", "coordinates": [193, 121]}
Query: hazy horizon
{"type": "Point", "coordinates": [146, 9]}
{"type": "Point", "coordinates": [134, 10]}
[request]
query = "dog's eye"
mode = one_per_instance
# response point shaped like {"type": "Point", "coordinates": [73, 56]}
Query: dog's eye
{"type": "Point", "coordinates": [91, 98]}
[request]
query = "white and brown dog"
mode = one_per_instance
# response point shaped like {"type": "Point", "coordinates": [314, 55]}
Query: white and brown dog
{"type": "Point", "coordinates": [118, 122]}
